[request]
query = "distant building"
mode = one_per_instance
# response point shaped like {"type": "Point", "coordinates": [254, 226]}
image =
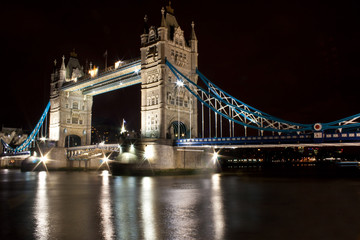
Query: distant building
{"type": "Point", "coordinates": [12, 136]}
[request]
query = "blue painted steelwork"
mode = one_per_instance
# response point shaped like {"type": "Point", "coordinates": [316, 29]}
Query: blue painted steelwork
{"type": "Point", "coordinates": [236, 111]}
{"type": "Point", "coordinates": [25, 145]}
{"type": "Point", "coordinates": [352, 137]}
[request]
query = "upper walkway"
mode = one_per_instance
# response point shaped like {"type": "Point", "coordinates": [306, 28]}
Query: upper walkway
{"type": "Point", "coordinates": [122, 75]}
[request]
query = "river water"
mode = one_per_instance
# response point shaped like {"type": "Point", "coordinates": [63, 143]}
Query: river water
{"type": "Point", "coordinates": [96, 205]}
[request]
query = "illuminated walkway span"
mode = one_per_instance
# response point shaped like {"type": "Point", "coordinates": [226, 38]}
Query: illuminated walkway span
{"type": "Point", "coordinates": [125, 74]}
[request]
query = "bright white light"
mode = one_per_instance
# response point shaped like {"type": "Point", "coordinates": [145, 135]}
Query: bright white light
{"type": "Point", "coordinates": [132, 148]}
{"type": "Point", "coordinates": [105, 159]}
{"type": "Point", "coordinates": [215, 157]}
{"type": "Point", "coordinates": [44, 159]}
{"type": "Point", "coordinates": [43, 139]}
{"type": "Point", "coordinates": [179, 83]}
{"type": "Point", "coordinates": [137, 70]}
{"type": "Point", "coordinates": [118, 64]}
{"type": "Point", "coordinates": [93, 72]}
{"type": "Point", "coordinates": [149, 152]}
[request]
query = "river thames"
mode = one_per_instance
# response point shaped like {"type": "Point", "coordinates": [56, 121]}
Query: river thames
{"type": "Point", "coordinates": [96, 205]}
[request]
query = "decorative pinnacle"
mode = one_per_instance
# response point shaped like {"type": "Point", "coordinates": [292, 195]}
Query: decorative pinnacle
{"type": "Point", "coordinates": [163, 23]}
{"type": "Point", "coordinates": [193, 35]}
{"type": "Point", "coordinates": [63, 63]}
{"type": "Point", "coordinates": [73, 53]}
{"type": "Point", "coordinates": [169, 9]}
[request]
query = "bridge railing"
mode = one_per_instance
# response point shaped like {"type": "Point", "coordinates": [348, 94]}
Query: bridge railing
{"type": "Point", "coordinates": [110, 69]}
{"type": "Point", "coordinates": [280, 139]}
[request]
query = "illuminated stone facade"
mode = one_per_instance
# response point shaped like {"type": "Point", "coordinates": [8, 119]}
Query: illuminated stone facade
{"type": "Point", "coordinates": [163, 104]}
{"type": "Point", "coordinates": [70, 112]}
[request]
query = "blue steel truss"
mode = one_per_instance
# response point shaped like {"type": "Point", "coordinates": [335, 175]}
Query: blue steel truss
{"type": "Point", "coordinates": [238, 112]}
{"type": "Point", "coordinates": [25, 145]}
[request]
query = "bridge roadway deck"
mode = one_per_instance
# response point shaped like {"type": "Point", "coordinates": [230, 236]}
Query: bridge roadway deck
{"type": "Point", "coordinates": [301, 140]}
{"type": "Point", "coordinates": [112, 79]}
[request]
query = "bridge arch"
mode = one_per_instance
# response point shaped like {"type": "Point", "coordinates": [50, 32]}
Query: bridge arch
{"type": "Point", "coordinates": [175, 131]}
{"type": "Point", "coordinates": [72, 141]}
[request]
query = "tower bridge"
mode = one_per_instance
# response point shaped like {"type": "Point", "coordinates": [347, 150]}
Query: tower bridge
{"type": "Point", "coordinates": [175, 97]}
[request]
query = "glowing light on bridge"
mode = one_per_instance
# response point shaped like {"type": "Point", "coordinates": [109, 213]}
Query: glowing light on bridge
{"type": "Point", "coordinates": [132, 148]}
{"type": "Point", "coordinates": [149, 152]}
{"type": "Point", "coordinates": [93, 72]}
{"type": "Point", "coordinates": [118, 64]}
{"type": "Point", "coordinates": [137, 70]}
{"type": "Point", "coordinates": [179, 83]}
{"type": "Point", "coordinates": [215, 157]}
{"type": "Point", "coordinates": [43, 159]}
{"type": "Point", "coordinates": [105, 161]}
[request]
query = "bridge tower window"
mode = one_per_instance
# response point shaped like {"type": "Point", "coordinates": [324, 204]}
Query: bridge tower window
{"type": "Point", "coordinates": [75, 105]}
{"type": "Point", "coordinates": [75, 121]}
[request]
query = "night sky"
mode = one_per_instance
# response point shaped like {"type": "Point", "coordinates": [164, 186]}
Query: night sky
{"type": "Point", "coordinates": [297, 60]}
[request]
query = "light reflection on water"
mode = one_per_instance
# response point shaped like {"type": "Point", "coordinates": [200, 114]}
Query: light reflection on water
{"type": "Point", "coordinates": [147, 209]}
{"type": "Point", "coordinates": [88, 206]}
{"type": "Point", "coordinates": [217, 207]}
{"type": "Point", "coordinates": [41, 208]}
{"type": "Point", "coordinates": [106, 212]}
{"type": "Point", "coordinates": [125, 207]}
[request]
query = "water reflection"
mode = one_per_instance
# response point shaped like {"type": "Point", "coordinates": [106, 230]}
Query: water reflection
{"type": "Point", "coordinates": [125, 207]}
{"type": "Point", "coordinates": [217, 206]}
{"type": "Point", "coordinates": [41, 211]}
{"type": "Point", "coordinates": [106, 208]}
{"type": "Point", "coordinates": [147, 206]}
{"type": "Point", "coordinates": [183, 218]}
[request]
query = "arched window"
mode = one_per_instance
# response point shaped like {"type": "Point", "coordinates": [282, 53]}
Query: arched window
{"type": "Point", "coordinates": [75, 105]}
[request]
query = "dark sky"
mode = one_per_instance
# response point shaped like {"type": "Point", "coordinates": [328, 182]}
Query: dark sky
{"type": "Point", "coordinates": [297, 60]}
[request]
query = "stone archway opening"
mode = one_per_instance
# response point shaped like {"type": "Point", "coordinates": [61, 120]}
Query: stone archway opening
{"type": "Point", "coordinates": [72, 141]}
{"type": "Point", "coordinates": [179, 128]}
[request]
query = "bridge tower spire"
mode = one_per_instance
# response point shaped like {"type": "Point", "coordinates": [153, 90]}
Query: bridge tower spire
{"type": "Point", "coordinates": [167, 110]}
{"type": "Point", "coordinates": [70, 112]}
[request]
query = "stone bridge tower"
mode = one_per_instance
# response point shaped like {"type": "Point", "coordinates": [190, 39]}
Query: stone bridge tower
{"type": "Point", "coordinates": [167, 111]}
{"type": "Point", "coordinates": [70, 112]}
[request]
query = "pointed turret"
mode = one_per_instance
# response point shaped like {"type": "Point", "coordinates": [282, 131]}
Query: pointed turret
{"type": "Point", "coordinates": [146, 26]}
{"type": "Point", "coordinates": [162, 30]}
{"type": "Point", "coordinates": [145, 35]}
{"type": "Point", "coordinates": [62, 70]}
{"type": "Point", "coordinates": [163, 23]}
{"type": "Point", "coordinates": [193, 35]}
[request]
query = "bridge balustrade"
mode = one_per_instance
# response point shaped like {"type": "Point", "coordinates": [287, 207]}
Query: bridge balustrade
{"type": "Point", "coordinates": [263, 140]}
